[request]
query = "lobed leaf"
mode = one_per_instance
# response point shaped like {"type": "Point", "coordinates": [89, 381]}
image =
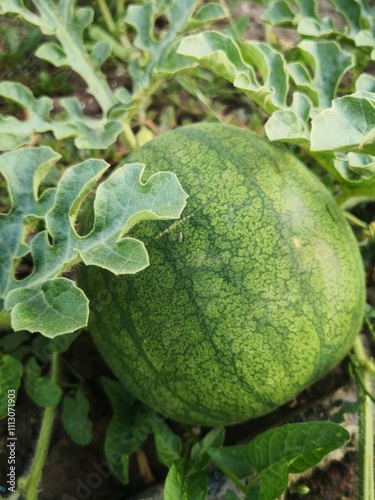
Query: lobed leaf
{"type": "Point", "coordinates": [42, 301]}
{"type": "Point", "coordinates": [222, 55]}
{"type": "Point", "coordinates": [262, 73]}
{"type": "Point", "coordinates": [292, 124]}
{"type": "Point", "coordinates": [15, 132]}
{"type": "Point", "coordinates": [58, 306]}
{"type": "Point", "coordinates": [160, 54]}
{"type": "Point", "coordinates": [272, 91]}
{"type": "Point", "coordinates": [357, 112]}
{"type": "Point", "coordinates": [329, 63]}
{"type": "Point", "coordinates": [66, 23]}
{"type": "Point", "coordinates": [207, 14]}
{"type": "Point", "coordinates": [303, 16]}
{"type": "Point", "coordinates": [218, 53]}
{"type": "Point", "coordinates": [87, 132]}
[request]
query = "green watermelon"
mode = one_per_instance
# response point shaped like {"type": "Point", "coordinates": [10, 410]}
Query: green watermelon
{"type": "Point", "coordinates": [254, 294]}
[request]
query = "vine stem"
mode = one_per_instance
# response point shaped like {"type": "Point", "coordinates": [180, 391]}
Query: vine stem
{"type": "Point", "coordinates": [80, 60]}
{"type": "Point", "coordinates": [235, 480]}
{"type": "Point", "coordinates": [366, 430]}
{"type": "Point", "coordinates": [29, 484]}
{"type": "Point", "coordinates": [107, 16]}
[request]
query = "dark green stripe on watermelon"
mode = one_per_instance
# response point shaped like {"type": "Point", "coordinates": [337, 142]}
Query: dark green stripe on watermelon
{"type": "Point", "coordinates": [253, 295]}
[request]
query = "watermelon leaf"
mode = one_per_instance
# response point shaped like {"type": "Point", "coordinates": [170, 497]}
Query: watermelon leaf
{"type": "Point", "coordinates": [160, 55]}
{"type": "Point", "coordinates": [291, 125]}
{"type": "Point", "coordinates": [75, 418]}
{"type": "Point", "coordinates": [348, 407]}
{"type": "Point", "coordinates": [130, 425]}
{"type": "Point", "coordinates": [181, 485]}
{"type": "Point", "coordinates": [271, 456]}
{"type": "Point", "coordinates": [67, 25]}
{"type": "Point", "coordinates": [168, 444]}
{"type": "Point", "coordinates": [357, 28]}
{"type": "Point", "coordinates": [357, 111]}
{"type": "Point", "coordinates": [10, 380]}
{"type": "Point", "coordinates": [329, 63]}
{"type": "Point", "coordinates": [312, 119]}
{"type": "Point", "coordinates": [66, 22]}
{"type": "Point", "coordinates": [43, 348]}
{"type": "Point", "coordinates": [222, 55]}
{"type": "Point", "coordinates": [87, 132]}
{"type": "Point", "coordinates": [42, 390]}
{"type": "Point", "coordinates": [213, 439]}
{"type": "Point", "coordinates": [13, 341]}
{"type": "Point", "coordinates": [207, 14]}
{"type": "Point", "coordinates": [231, 495]}
{"type": "Point", "coordinates": [240, 63]}
{"type": "Point", "coordinates": [14, 132]}
{"type": "Point", "coordinates": [43, 301]}
{"type": "Point", "coordinates": [56, 306]}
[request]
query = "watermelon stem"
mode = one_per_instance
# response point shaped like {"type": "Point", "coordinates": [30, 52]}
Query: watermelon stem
{"type": "Point", "coordinates": [29, 485]}
{"type": "Point", "coordinates": [235, 480]}
{"type": "Point", "coordinates": [366, 431]}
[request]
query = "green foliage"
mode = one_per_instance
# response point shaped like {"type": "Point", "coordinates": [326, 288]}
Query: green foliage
{"type": "Point", "coordinates": [75, 417]}
{"type": "Point", "coordinates": [182, 485]}
{"type": "Point", "coordinates": [300, 88]}
{"type": "Point", "coordinates": [158, 52]}
{"type": "Point", "coordinates": [42, 390]}
{"type": "Point", "coordinates": [151, 58]}
{"type": "Point", "coordinates": [10, 379]}
{"type": "Point", "coordinates": [199, 452]}
{"type": "Point", "coordinates": [230, 495]}
{"type": "Point", "coordinates": [265, 462]}
{"type": "Point", "coordinates": [302, 15]}
{"type": "Point", "coordinates": [349, 407]}
{"type": "Point", "coordinates": [271, 456]}
{"type": "Point", "coordinates": [309, 92]}
{"type": "Point", "coordinates": [43, 301]}
{"type": "Point", "coordinates": [168, 444]}
{"type": "Point", "coordinates": [128, 429]}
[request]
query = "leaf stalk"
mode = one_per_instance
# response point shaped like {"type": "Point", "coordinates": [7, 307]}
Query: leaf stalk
{"type": "Point", "coordinates": [366, 430]}
{"type": "Point", "coordinates": [29, 485]}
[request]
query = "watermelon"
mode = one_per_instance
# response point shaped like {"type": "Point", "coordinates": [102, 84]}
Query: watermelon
{"type": "Point", "coordinates": [254, 294]}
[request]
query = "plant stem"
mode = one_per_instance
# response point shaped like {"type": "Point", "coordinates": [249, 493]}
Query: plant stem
{"type": "Point", "coordinates": [228, 15]}
{"type": "Point", "coordinates": [29, 485]}
{"type": "Point", "coordinates": [80, 60]}
{"type": "Point", "coordinates": [235, 480]}
{"type": "Point", "coordinates": [107, 16]}
{"type": "Point", "coordinates": [366, 431]}
{"type": "Point", "coordinates": [350, 193]}
{"type": "Point", "coordinates": [129, 137]}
